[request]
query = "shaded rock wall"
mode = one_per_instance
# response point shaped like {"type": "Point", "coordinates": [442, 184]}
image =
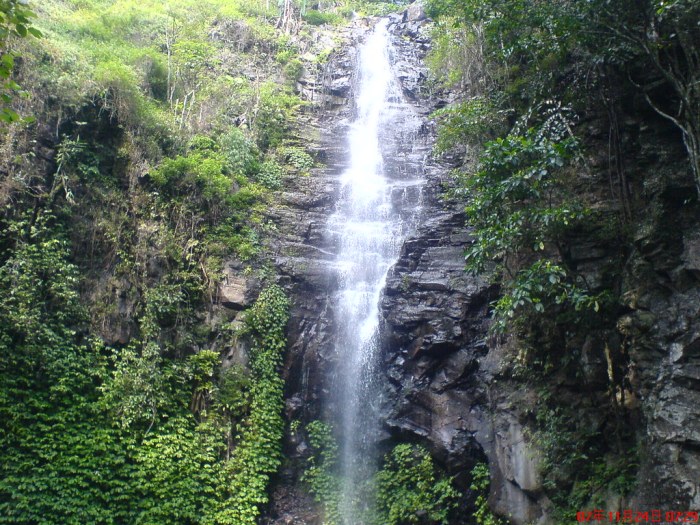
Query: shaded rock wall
{"type": "Point", "coordinates": [448, 385]}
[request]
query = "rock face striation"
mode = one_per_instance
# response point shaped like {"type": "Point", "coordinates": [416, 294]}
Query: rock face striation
{"type": "Point", "coordinates": [448, 384]}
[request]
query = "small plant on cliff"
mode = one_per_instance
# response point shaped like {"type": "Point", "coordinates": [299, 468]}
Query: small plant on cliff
{"type": "Point", "coordinates": [581, 465]}
{"type": "Point", "coordinates": [320, 472]}
{"type": "Point", "coordinates": [410, 490]}
{"type": "Point", "coordinates": [259, 451]}
{"type": "Point", "coordinates": [480, 485]}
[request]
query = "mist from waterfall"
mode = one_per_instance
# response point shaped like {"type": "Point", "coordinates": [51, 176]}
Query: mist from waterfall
{"type": "Point", "coordinates": [378, 206]}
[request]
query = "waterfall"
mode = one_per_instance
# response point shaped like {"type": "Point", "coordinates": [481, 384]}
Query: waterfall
{"type": "Point", "coordinates": [378, 206]}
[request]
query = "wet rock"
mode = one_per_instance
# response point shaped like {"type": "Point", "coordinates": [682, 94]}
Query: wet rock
{"type": "Point", "coordinates": [448, 384]}
{"type": "Point", "coordinates": [340, 87]}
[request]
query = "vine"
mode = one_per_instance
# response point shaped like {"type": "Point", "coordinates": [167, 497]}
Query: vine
{"type": "Point", "coordinates": [320, 471]}
{"type": "Point", "coordinates": [480, 484]}
{"type": "Point", "coordinates": [259, 451]}
{"type": "Point", "coordinates": [409, 490]}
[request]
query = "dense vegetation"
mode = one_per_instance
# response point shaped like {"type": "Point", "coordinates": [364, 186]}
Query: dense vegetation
{"type": "Point", "coordinates": [408, 488]}
{"type": "Point", "coordinates": [529, 74]}
{"type": "Point", "coordinates": [142, 143]}
{"type": "Point", "coordinates": [140, 154]}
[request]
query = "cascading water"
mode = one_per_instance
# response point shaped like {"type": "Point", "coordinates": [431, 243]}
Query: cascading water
{"type": "Point", "coordinates": [378, 205]}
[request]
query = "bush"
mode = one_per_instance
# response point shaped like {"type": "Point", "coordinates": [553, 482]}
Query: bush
{"type": "Point", "coordinates": [298, 158]}
{"type": "Point", "coordinates": [196, 174]}
{"type": "Point", "coordinates": [270, 175]}
{"type": "Point", "coordinates": [240, 152]}
{"type": "Point", "coordinates": [293, 70]}
{"type": "Point", "coordinates": [274, 115]}
{"type": "Point", "coordinates": [410, 491]}
{"type": "Point", "coordinates": [317, 18]}
{"type": "Point", "coordinates": [468, 122]}
{"type": "Point", "coordinates": [518, 205]}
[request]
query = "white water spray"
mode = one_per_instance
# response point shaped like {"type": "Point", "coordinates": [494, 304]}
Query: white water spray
{"type": "Point", "coordinates": [378, 206]}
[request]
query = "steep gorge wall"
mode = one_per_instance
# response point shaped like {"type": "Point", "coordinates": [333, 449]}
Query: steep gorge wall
{"type": "Point", "coordinates": [465, 394]}
{"type": "Point", "coordinates": [470, 396]}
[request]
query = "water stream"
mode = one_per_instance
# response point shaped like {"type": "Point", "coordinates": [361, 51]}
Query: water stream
{"type": "Point", "coordinates": [379, 205]}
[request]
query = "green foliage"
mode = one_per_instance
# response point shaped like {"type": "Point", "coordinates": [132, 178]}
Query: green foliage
{"type": "Point", "coordinates": [66, 459]}
{"type": "Point", "coordinates": [297, 158]}
{"type": "Point", "coordinates": [197, 174]}
{"type": "Point", "coordinates": [145, 429]}
{"type": "Point", "coordinates": [318, 18]}
{"type": "Point", "coordinates": [528, 40]}
{"type": "Point", "coordinates": [75, 156]}
{"type": "Point", "coordinates": [446, 59]}
{"type": "Point", "coordinates": [410, 491]}
{"type": "Point", "coordinates": [179, 471]}
{"type": "Point", "coordinates": [15, 17]}
{"type": "Point", "coordinates": [518, 207]}
{"type": "Point", "coordinates": [40, 304]}
{"type": "Point", "coordinates": [287, 54]}
{"type": "Point", "coordinates": [543, 50]}
{"type": "Point", "coordinates": [259, 451]}
{"type": "Point", "coordinates": [240, 152]}
{"type": "Point", "coordinates": [373, 7]}
{"type": "Point", "coordinates": [270, 175]}
{"type": "Point", "coordinates": [233, 391]}
{"type": "Point", "coordinates": [49, 427]}
{"type": "Point", "coordinates": [579, 469]}
{"type": "Point", "coordinates": [293, 71]}
{"type": "Point", "coordinates": [480, 485]}
{"type": "Point", "coordinates": [468, 122]}
{"type": "Point", "coordinates": [509, 205]}
{"type": "Point", "coordinates": [321, 471]}
{"type": "Point", "coordinates": [408, 488]}
{"type": "Point", "coordinates": [539, 287]}
{"type": "Point", "coordinates": [275, 113]}
{"type": "Point", "coordinates": [134, 391]}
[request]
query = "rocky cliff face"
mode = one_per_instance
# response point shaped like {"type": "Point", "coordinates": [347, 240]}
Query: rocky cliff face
{"type": "Point", "coordinates": [660, 328]}
{"type": "Point", "coordinates": [470, 397]}
{"type": "Point", "coordinates": [435, 316]}
{"type": "Point", "coordinates": [450, 386]}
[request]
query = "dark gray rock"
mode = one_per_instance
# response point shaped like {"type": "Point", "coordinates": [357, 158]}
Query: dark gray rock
{"type": "Point", "coordinates": [447, 383]}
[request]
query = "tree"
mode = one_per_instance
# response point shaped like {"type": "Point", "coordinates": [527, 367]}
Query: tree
{"type": "Point", "coordinates": [655, 42]}
{"type": "Point", "coordinates": [661, 37]}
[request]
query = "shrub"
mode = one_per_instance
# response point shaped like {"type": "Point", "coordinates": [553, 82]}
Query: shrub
{"type": "Point", "coordinates": [293, 70]}
{"type": "Point", "coordinates": [518, 206]}
{"type": "Point", "coordinates": [274, 115]}
{"type": "Point", "coordinates": [270, 175]}
{"type": "Point", "coordinates": [410, 491]}
{"type": "Point", "coordinates": [298, 158]}
{"type": "Point", "coordinates": [202, 174]}
{"type": "Point", "coordinates": [317, 18]}
{"type": "Point", "coordinates": [468, 122]}
{"type": "Point", "coordinates": [240, 152]}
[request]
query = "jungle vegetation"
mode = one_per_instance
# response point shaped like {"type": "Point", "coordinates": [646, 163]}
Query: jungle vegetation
{"type": "Point", "coordinates": [143, 141]}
